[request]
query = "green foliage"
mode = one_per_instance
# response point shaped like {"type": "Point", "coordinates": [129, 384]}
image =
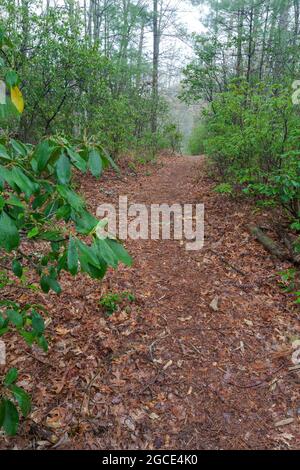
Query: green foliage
{"type": "Point", "coordinates": [197, 140]}
{"type": "Point", "coordinates": [14, 397]}
{"type": "Point", "coordinates": [39, 206]}
{"type": "Point", "coordinates": [224, 188]}
{"type": "Point", "coordinates": [252, 139]}
{"type": "Point", "coordinates": [290, 283]}
{"type": "Point", "coordinates": [111, 302]}
{"type": "Point", "coordinates": [79, 81]}
{"type": "Point", "coordinates": [171, 138]}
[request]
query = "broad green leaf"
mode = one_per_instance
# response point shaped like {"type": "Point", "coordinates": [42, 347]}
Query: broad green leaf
{"type": "Point", "coordinates": [42, 342]}
{"type": "Point", "coordinates": [22, 398]}
{"type": "Point", "coordinates": [10, 420]}
{"type": "Point", "coordinates": [19, 147]}
{"type": "Point", "coordinates": [2, 203]}
{"type": "Point", "coordinates": [14, 201]}
{"type": "Point", "coordinates": [38, 323]}
{"type": "Point", "coordinates": [11, 376]}
{"type": "Point", "coordinates": [28, 336]}
{"type": "Point", "coordinates": [87, 254]}
{"type": "Point", "coordinates": [11, 78]}
{"type": "Point", "coordinates": [63, 169]}
{"type": "Point", "coordinates": [17, 268]}
{"type": "Point", "coordinates": [72, 198]}
{"type": "Point", "coordinates": [4, 153]}
{"type": "Point", "coordinates": [48, 282]}
{"type": "Point", "coordinates": [72, 257]}
{"type": "Point", "coordinates": [54, 285]}
{"type": "Point", "coordinates": [111, 162]}
{"type": "Point", "coordinates": [77, 160]}
{"type": "Point", "coordinates": [33, 232]}
{"type": "Point", "coordinates": [120, 252]}
{"type": "Point", "coordinates": [23, 182]}
{"type": "Point", "coordinates": [51, 236]}
{"type": "Point", "coordinates": [42, 155]}
{"type": "Point", "coordinates": [95, 163]}
{"type": "Point", "coordinates": [15, 318]}
{"type": "Point", "coordinates": [9, 235]}
{"type": "Point", "coordinates": [45, 284]}
{"type": "Point", "coordinates": [105, 253]}
{"type": "Point", "coordinates": [85, 222]}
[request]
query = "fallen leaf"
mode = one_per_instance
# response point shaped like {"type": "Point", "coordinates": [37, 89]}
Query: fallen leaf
{"type": "Point", "coordinates": [284, 422]}
{"type": "Point", "coordinates": [168, 364]}
{"type": "Point", "coordinates": [215, 304]}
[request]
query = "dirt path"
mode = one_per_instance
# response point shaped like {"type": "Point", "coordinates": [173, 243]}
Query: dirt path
{"type": "Point", "coordinates": [174, 373]}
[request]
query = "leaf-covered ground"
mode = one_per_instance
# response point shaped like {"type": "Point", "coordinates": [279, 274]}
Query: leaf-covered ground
{"type": "Point", "coordinates": [201, 359]}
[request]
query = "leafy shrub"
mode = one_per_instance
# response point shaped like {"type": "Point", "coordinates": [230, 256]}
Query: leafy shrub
{"type": "Point", "coordinates": [39, 205]}
{"type": "Point", "coordinates": [224, 188]}
{"type": "Point", "coordinates": [196, 144]}
{"type": "Point", "coordinates": [171, 138]}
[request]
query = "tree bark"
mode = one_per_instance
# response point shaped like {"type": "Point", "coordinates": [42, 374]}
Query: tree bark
{"type": "Point", "coordinates": [156, 41]}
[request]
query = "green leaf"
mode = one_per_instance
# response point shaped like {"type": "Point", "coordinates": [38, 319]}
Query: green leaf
{"type": "Point", "coordinates": [48, 283]}
{"type": "Point", "coordinates": [3, 153]}
{"type": "Point", "coordinates": [3, 331]}
{"type": "Point", "coordinates": [42, 155]}
{"type": "Point", "coordinates": [27, 186]}
{"type": "Point", "coordinates": [85, 222]}
{"type": "Point", "coordinates": [33, 232]}
{"type": "Point", "coordinates": [51, 236]}
{"type": "Point", "coordinates": [28, 336]}
{"type": "Point", "coordinates": [17, 268]}
{"type": "Point", "coordinates": [45, 284]}
{"type": "Point", "coordinates": [9, 235]}
{"type": "Point", "coordinates": [119, 252]}
{"type": "Point", "coordinates": [15, 318]}
{"type": "Point", "coordinates": [11, 376]}
{"type": "Point", "coordinates": [14, 201]}
{"type": "Point", "coordinates": [111, 162]}
{"type": "Point", "coordinates": [77, 160]}
{"type": "Point", "coordinates": [18, 147]}
{"type": "Point", "coordinates": [105, 253]}
{"type": "Point", "coordinates": [37, 322]}
{"type": "Point", "coordinates": [72, 257]}
{"type": "Point", "coordinates": [10, 420]}
{"type": "Point", "coordinates": [72, 198]}
{"type": "Point", "coordinates": [41, 341]}
{"type": "Point", "coordinates": [87, 254]}
{"type": "Point", "coordinates": [11, 78]}
{"type": "Point", "coordinates": [63, 169]}
{"type": "Point", "coordinates": [95, 163]}
{"type": "Point", "coordinates": [22, 398]}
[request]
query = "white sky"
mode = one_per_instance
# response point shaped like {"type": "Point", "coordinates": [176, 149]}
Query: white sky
{"type": "Point", "coordinates": [190, 15]}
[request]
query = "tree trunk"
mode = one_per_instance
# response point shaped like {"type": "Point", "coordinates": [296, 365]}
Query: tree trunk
{"type": "Point", "coordinates": [156, 41]}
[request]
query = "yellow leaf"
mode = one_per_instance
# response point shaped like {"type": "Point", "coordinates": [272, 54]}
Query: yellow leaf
{"type": "Point", "coordinates": [17, 98]}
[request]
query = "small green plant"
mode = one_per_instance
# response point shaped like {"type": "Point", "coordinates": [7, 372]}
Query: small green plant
{"type": "Point", "coordinates": [290, 284]}
{"type": "Point", "coordinates": [224, 188]}
{"type": "Point", "coordinates": [128, 296]}
{"type": "Point", "coordinates": [112, 302]}
{"type": "Point", "coordinates": [4, 279]}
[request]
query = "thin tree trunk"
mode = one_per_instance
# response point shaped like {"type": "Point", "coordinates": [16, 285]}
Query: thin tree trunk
{"type": "Point", "coordinates": [156, 41]}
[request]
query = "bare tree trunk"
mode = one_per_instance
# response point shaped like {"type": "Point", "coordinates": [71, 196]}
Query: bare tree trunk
{"type": "Point", "coordinates": [250, 44]}
{"type": "Point", "coordinates": [239, 62]}
{"type": "Point", "coordinates": [140, 55]}
{"type": "Point", "coordinates": [156, 41]}
{"type": "Point", "coordinates": [263, 47]}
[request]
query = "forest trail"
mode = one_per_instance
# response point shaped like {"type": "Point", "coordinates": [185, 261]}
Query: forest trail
{"type": "Point", "coordinates": [178, 371]}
